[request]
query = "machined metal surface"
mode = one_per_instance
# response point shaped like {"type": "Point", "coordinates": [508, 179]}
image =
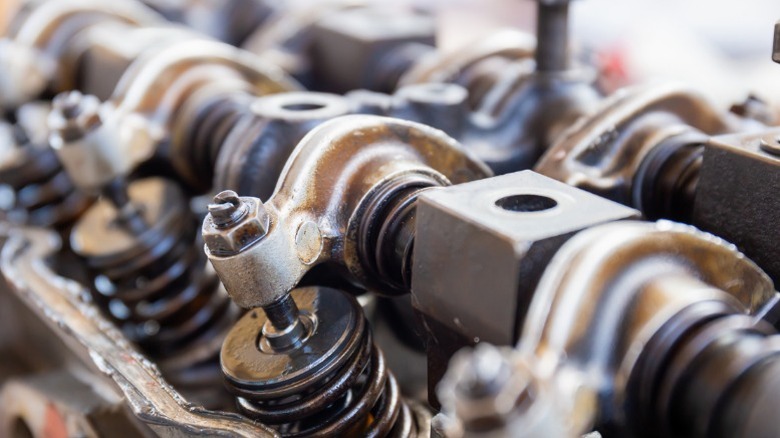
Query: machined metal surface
{"type": "Point", "coordinates": [497, 235]}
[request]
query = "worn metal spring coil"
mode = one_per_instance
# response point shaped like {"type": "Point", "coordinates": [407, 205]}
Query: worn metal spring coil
{"type": "Point", "coordinates": [40, 191]}
{"type": "Point", "coordinates": [349, 393]}
{"type": "Point", "coordinates": [156, 284]}
{"type": "Point", "coordinates": [713, 373]}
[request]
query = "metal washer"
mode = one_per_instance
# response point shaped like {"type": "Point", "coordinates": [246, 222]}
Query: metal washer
{"type": "Point", "coordinates": [337, 331]}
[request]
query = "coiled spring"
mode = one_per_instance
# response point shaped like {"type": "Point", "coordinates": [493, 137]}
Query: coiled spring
{"type": "Point", "coordinates": [346, 391]}
{"type": "Point", "coordinates": [155, 282]}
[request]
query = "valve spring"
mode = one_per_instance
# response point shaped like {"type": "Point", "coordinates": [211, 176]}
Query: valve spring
{"type": "Point", "coordinates": [350, 393]}
{"type": "Point", "coordinates": [713, 375]}
{"type": "Point", "coordinates": [157, 284]}
{"type": "Point", "coordinates": [198, 157]}
{"type": "Point", "coordinates": [387, 231]}
{"type": "Point", "coordinates": [43, 194]}
{"type": "Point", "coordinates": [668, 178]}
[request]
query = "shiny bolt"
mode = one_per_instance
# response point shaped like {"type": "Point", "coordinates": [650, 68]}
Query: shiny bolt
{"type": "Point", "coordinates": [74, 115]}
{"type": "Point", "coordinates": [486, 372]}
{"type": "Point", "coordinates": [227, 208]}
{"type": "Point", "coordinates": [234, 223]}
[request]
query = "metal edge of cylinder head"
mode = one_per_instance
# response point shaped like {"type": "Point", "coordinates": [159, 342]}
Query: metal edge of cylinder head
{"type": "Point", "coordinates": [60, 303]}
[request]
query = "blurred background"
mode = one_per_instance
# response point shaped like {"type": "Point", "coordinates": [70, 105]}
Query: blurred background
{"type": "Point", "coordinates": [722, 47]}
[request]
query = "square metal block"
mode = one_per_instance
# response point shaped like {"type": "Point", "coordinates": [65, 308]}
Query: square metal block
{"type": "Point", "coordinates": [350, 45]}
{"type": "Point", "coordinates": [737, 195]}
{"type": "Point", "coordinates": [481, 247]}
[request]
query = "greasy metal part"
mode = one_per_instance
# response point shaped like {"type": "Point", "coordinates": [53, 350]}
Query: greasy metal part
{"type": "Point", "coordinates": [463, 66]}
{"type": "Point", "coordinates": [193, 76]}
{"type": "Point", "coordinates": [307, 363]}
{"type": "Point", "coordinates": [439, 105]}
{"type": "Point", "coordinates": [497, 72]}
{"type": "Point", "coordinates": [735, 197]}
{"type": "Point", "coordinates": [345, 213]}
{"type": "Point", "coordinates": [331, 382]}
{"type": "Point", "coordinates": [611, 293]}
{"type": "Point", "coordinates": [732, 348]}
{"type": "Point", "coordinates": [253, 154]}
{"type": "Point", "coordinates": [50, 39]}
{"type": "Point", "coordinates": [231, 21]}
{"type": "Point", "coordinates": [35, 188]}
{"type": "Point", "coordinates": [516, 110]}
{"type": "Point", "coordinates": [756, 109]}
{"type": "Point", "coordinates": [343, 45]}
{"type": "Point", "coordinates": [604, 153]}
{"type": "Point", "coordinates": [162, 84]}
{"type": "Point", "coordinates": [110, 360]}
{"type": "Point", "coordinates": [286, 37]}
{"type": "Point", "coordinates": [513, 130]}
{"type": "Point", "coordinates": [91, 158]}
{"type": "Point", "coordinates": [367, 48]}
{"type": "Point", "coordinates": [335, 189]}
{"type": "Point", "coordinates": [150, 277]}
{"type": "Point", "coordinates": [489, 127]}
{"type": "Point", "coordinates": [519, 108]}
{"type": "Point", "coordinates": [495, 236]}
{"type": "Point", "coordinates": [491, 392]}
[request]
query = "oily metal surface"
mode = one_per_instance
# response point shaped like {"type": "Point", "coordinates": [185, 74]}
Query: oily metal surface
{"type": "Point", "coordinates": [499, 249]}
{"type": "Point", "coordinates": [601, 299]}
{"type": "Point", "coordinates": [336, 324]}
{"type": "Point", "coordinates": [98, 232]}
{"type": "Point", "coordinates": [601, 153]}
{"type": "Point", "coordinates": [326, 187]}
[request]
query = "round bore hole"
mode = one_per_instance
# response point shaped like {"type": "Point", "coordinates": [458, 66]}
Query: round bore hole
{"type": "Point", "coordinates": [303, 106]}
{"type": "Point", "coordinates": [526, 203]}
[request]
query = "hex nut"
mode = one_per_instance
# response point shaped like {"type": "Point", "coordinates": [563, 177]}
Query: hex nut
{"type": "Point", "coordinates": [253, 226]}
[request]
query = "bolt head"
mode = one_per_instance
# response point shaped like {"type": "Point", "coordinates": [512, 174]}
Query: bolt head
{"type": "Point", "coordinates": [227, 208]}
{"type": "Point", "coordinates": [231, 239]}
{"type": "Point", "coordinates": [74, 115]}
{"type": "Point", "coordinates": [483, 385]}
